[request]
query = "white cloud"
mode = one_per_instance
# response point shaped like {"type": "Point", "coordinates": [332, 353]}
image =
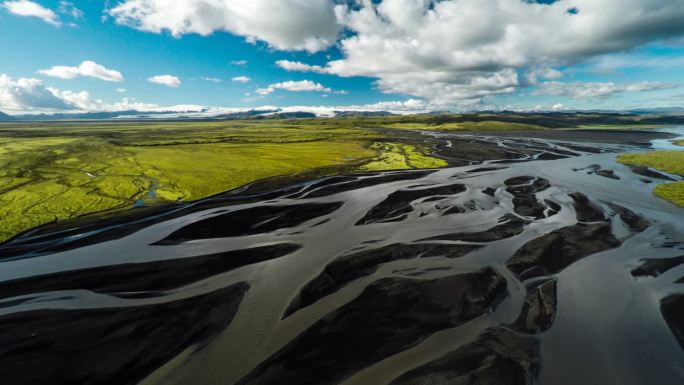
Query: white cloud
{"type": "Point", "coordinates": [121, 90]}
{"type": "Point", "coordinates": [239, 62]}
{"type": "Point", "coordinates": [241, 79]}
{"type": "Point", "coordinates": [88, 68]}
{"type": "Point", "coordinates": [67, 8]}
{"type": "Point", "coordinates": [31, 9]}
{"type": "Point", "coordinates": [295, 86]}
{"type": "Point", "coordinates": [166, 80]}
{"type": "Point", "coordinates": [533, 76]}
{"type": "Point", "coordinates": [213, 80]}
{"type": "Point", "coordinates": [557, 107]}
{"type": "Point", "coordinates": [296, 66]}
{"type": "Point", "coordinates": [29, 94]}
{"type": "Point", "coordinates": [588, 90]}
{"type": "Point", "coordinates": [284, 24]}
{"type": "Point", "coordinates": [455, 52]}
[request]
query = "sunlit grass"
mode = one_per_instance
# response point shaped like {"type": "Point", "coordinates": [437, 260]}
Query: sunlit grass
{"type": "Point", "coordinates": [56, 171]}
{"type": "Point", "coordinates": [466, 126]}
{"type": "Point", "coordinates": [668, 161]}
{"type": "Point", "coordinates": [397, 156]}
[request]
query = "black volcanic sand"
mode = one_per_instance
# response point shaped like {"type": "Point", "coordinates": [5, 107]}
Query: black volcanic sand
{"type": "Point", "coordinates": [645, 171]}
{"type": "Point", "coordinates": [510, 226]}
{"type": "Point", "coordinates": [256, 220]}
{"type": "Point", "coordinates": [551, 253]}
{"type": "Point", "coordinates": [391, 315]}
{"type": "Point", "coordinates": [499, 356]}
{"type": "Point", "coordinates": [144, 278]}
{"type": "Point", "coordinates": [654, 267]}
{"type": "Point", "coordinates": [347, 268]}
{"type": "Point", "coordinates": [110, 345]}
{"type": "Point", "coordinates": [586, 210]}
{"type": "Point", "coordinates": [513, 269]}
{"type": "Point", "coordinates": [395, 207]}
{"type": "Point", "coordinates": [673, 311]}
{"type": "Point", "coordinates": [524, 189]}
{"type": "Point", "coordinates": [539, 309]}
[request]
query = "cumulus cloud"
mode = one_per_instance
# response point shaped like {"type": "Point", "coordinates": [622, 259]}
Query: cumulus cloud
{"type": "Point", "coordinates": [295, 86]}
{"type": "Point", "coordinates": [88, 68]}
{"type": "Point", "coordinates": [166, 80]}
{"type": "Point", "coordinates": [587, 90]}
{"type": "Point", "coordinates": [284, 24]}
{"type": "Point", "coordinates": [241, 79]}
{"type": "Point", "coordinates": [297, 66]}
{"type": "Point", "coordinates": [29, 94]}
{"type": "Point", "coordinates": [31, 9]}
{"type": "Point", "coordinates": [454, 52]}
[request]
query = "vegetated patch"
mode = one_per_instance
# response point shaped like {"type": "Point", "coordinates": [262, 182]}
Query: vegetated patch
{"type": "Point", "coordinates": [399, 156]}
{"type": "Point", "coordinates": [487, 125]}
{"type": "Point", "coordinates": [673, 192]}
{"type": "Point", "coordinates": [668, 161]}
{"type": "Point", "coordinates": [53, 171]}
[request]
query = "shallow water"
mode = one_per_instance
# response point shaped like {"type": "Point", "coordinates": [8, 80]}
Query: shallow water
{"type": "Point", "coordinates": [292, 309]}
{"type": "Point", "coordinates": [666, 144]}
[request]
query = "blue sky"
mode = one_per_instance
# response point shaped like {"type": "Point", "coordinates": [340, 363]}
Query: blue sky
{"type": "Point", "coordinates": [358, 55]}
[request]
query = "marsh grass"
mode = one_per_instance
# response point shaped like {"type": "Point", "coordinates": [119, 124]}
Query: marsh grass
{"type": "Point", "coordinates": [668, 161]}
{"type": "Point", "coordinates": [55, 171]}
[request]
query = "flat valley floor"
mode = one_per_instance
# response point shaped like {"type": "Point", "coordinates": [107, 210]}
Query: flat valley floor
{"type": "Point", "coordinates": [530, 260]}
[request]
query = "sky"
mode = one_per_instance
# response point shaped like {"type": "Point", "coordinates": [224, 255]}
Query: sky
{"type": "Point", "coordinates": [398, 55]}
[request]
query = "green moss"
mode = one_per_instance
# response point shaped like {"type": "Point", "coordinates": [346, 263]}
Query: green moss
{"type": "Point", "coordinates": [397, 156]}
{"type": "Point", "coordinates": [668, 161]}
{"type": "Point", "coordinates": [189, 172]}
{"type": "Point", "coordinates": [679, 142]}
{"type": "Point", "coordinates": [488, 125]}
{"type": "Point", "coordinates": [673, 192]}
{"type": "Point", "coordinates": [64, 172]}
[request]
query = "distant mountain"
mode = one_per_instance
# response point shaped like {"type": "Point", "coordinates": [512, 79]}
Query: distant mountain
{"type": "Point", "coordinates": [4, 117]}
{"type": "Point", "coordinates": [289, 115]}
{"type": "Point", "coordinates": [244, 114]}
{"type": "Point", "coordinates": [86, 115]}
{"type": "Point", "coordinates": [361, 114]}
{"type": "Point", "coordinates": [659, 111]}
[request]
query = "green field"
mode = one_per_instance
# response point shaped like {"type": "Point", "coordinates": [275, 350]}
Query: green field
{"type": "Point", "coordinates": [55, 171]}
{"type": "Point", "coordinates": [669, 161]}
{"type": "Point", "coordinates": [52, 171]}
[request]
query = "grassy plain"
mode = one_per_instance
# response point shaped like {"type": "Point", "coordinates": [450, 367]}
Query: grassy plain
{"type": "Point", "coordinates": [55, 171]}
{"type": "Point", "coordinates": [668, 161]}
{"type": "Point", "coordinates": [51, 171]}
